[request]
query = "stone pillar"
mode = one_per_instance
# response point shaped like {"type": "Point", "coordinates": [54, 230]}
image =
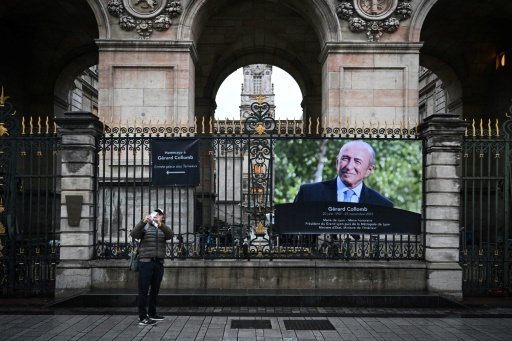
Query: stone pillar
{"type": "Point", "coordinates": [364, 81]}
{"type": "Point", "coordinates": [79, 131]}
{"type": "Point", "coordinates": [146, 80]}
{"type": "Point", "coordinates": [443, 135]}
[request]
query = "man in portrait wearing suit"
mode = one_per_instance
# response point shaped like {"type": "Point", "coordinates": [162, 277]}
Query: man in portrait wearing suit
{"type": "Point", "coordinates": [354, 163]}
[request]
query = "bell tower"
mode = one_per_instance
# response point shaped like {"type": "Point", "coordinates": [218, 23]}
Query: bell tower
{"type": "Point", "coordinates": [257, 81]}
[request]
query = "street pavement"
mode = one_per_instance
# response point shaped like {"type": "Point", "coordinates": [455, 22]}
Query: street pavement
{"type": "Point", "coordinates": [258, 323]}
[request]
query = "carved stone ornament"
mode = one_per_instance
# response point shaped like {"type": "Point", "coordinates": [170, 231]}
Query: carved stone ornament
{"type": "Point", "coordinates": [374, 16]}
{"type": "Point", "coordinates": [144, 16]}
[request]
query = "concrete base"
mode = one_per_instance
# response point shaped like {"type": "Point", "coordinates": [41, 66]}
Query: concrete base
{"type": "Point", "coordinates": [287, 277]}
{"type": "Point", "coordinates": [445, 279]}
{"type": "Point", "coordinates": [254, 274]}
{"type": "Point", "coordinates": [73, 277]}
{"type": "Point", "coordinates": [264, 274]}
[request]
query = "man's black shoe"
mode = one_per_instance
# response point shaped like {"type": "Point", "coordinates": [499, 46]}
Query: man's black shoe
{"type": "Point", "coordinates": [147, 322]}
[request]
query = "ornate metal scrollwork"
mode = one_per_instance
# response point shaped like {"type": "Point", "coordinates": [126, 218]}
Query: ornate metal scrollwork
{"type": "Point", "coordinates": [260, 121]}
{"type": "Point", "coordinates": [507, 126]}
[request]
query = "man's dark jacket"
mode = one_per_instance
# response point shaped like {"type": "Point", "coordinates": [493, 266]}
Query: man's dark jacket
{"type": "Point", "coordinates": [328, 191]}
{"type": "Point", "coordinates": [153, 239]}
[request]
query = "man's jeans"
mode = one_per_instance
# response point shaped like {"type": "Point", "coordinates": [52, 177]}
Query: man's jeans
{"type": "Point", "coordinates": [150, 275]}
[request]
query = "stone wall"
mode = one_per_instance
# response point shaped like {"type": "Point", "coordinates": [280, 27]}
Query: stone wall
{"type": "Point", "coordinates": [343, 77]}
{"type": "Point", "coordinates": [263, 274]}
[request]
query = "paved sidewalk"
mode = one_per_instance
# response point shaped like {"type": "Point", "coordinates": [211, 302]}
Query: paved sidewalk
{"type": "Point", "coordinates": [265, 323]}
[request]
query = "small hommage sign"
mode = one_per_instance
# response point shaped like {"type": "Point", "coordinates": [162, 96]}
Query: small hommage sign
{"type": "Point", "coordinates": [175, 162]}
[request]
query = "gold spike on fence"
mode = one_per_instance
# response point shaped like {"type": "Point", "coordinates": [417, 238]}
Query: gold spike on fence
{"type": "Point", "coordinates": [37, 127]}
{"type": "Point", "coordinates": [335, 127]}
{"type": "Point", "coordinates": [3, 98]}
{"type": "Point", "coordinates": [352, 128]}
{"type": "Point", "coordinates": [342, 127]}
{"type": "Point", "coordinates": [480, 131]}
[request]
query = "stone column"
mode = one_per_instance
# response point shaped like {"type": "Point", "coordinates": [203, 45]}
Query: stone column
{"type": "Point", "coordinates": [79, 131]}
{"type": "Point", "coordinates": [364, 81]}
{"type": "Point", "coordinates": [147, 80]}
{"type": "Point", "coordinates": [443, 134]}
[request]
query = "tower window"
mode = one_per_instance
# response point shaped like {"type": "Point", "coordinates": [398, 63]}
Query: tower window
{"type": "Point", "coordinates": [257, 84]}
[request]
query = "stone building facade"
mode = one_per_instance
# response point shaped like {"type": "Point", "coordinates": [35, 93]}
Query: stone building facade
{"type": "Point", "coordinates": [352, 59]}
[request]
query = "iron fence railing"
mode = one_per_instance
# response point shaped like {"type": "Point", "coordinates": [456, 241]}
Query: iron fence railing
{"type": "Point", "coordinates": [29, 205]}
{"type": "Point", "coordinates": [229, 214]}
{"type": "Point", "coordinates": [485, 199]}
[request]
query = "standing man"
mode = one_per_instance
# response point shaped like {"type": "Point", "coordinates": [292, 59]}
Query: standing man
{"type": "Point", "coordinates": [153, 234]}
{"type": "Point", "coordinates": [354, 163]}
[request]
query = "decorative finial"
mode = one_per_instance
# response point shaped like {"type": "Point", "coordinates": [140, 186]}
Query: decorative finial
{"type": "Point", "coordinates": [3, 98]}
{"type": "Point", "coordinates": [260, 229]}
{"type": "Point", "coordinates": [260, 98]}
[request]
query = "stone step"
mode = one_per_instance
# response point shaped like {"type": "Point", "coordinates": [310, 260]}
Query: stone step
{"type": "Point", "coordinates": [261, 298]}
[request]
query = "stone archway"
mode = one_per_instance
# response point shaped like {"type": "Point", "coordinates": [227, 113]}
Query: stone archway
{"type": "Point", "coordinates": [418, 19]}
{"type": "Point", "coordinates": [101, 15]}
{"type": "Point", "coordinates": [43, 39]}
{"type": "Point", "coordinates": [450, 81]}
{"type": "Point", "coordinates": [231, 35]}
{"type": "Point", "coordinates": [274, 57]}
{"type": "Point", "coordinates": [317, 12]}
{"type": "Point", "coordinates": [461, 40]}
{"type": "Point", "coordinates": [65, 80]}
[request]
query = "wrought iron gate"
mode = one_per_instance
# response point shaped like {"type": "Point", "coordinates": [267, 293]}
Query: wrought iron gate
{"type": "Point", "coordinates": [229, 215]}
{"type": "Point", "coordinates": [29, 204]}
{"type": "Point", "coordinates": [485, 252]}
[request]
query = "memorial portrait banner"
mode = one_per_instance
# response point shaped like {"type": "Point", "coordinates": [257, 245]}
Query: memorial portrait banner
{"type": "Point", "coordinates": [175, 162]}
{"type": "Point", "coordinates": [342, 217]}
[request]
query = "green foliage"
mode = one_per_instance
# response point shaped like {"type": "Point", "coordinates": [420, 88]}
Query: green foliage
{"type": "Point", "coordinates": [397, 174]}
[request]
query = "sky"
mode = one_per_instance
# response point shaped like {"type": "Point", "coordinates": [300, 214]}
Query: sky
{"type": "Point", "coordinates": [286, 90]}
